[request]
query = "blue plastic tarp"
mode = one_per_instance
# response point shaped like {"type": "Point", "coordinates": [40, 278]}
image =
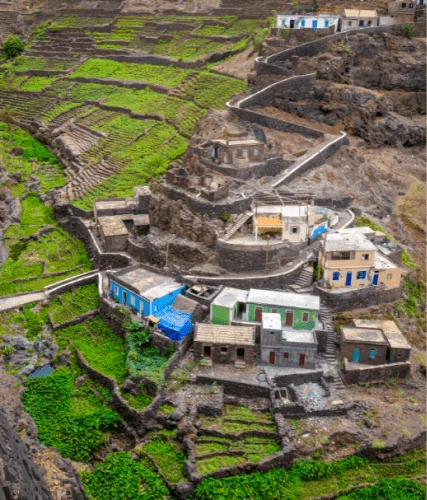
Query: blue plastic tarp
{"type": "Point", "coordinates": [175, 324]}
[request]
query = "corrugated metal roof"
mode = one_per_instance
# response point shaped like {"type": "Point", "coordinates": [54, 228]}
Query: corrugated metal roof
{"type": "Point", "coordinates": [359, 13]}
{"type": "Point", "coordinates": [284, 299]}
{"type": "Point", "coordinates": [225, 334]}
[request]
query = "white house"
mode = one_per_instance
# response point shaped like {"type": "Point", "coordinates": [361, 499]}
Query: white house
{"type": "Point", "coordinates": [299, 21]}
{"type": "Point", "coordinates": [353, 19]}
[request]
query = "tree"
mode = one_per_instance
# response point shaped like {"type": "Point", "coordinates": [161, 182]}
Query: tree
{"type": "Point", "coordinates": [13, 46]}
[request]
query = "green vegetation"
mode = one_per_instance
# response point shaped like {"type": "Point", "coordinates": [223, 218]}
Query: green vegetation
{"type": "Point", "coordinates": [33, 264]}
{"type": "Point", "coordinates": [165, 451]}
{"type": "Point", "coordinates": [120, 477]}
{"type": "Point", "coordinates": [170, 76]}
{"type": "Point", "coordinates": [69, 305]}
{"type": "Point", "coordinates": [25, 63]}
{"type": "Point", "coordinates": [102, 349]}
{"type": "Point", "coordinates": [36, 83]}
{"type": "Point", "coordinates": [166, 409]}
{"type": "Point", "coordinates": [12, 46]}
{"type": "Point", "coordinates": [75, 421]}
{"type": "Point", "coordinates": [408, 30]}
{"type": "Point", "coordinates": [143, 359]}
{"type": "Point", "coordinates": [244, 413]}
{"type": "Point", "coordinates": [311, 479]}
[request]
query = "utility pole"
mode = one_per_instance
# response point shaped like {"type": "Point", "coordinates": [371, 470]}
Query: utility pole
{"type": "Point", "coordinates": [266, 252]}
{"type": "Point", "coordinates": [167, 254]}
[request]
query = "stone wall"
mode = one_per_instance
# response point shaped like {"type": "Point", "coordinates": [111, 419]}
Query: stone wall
{"type": "Point", "coordinates": [248, 258]}
{"type": "Point", "coordinates": [74, 321]}
{"type": "Point", "coordinates": [236, 388]}
{"type": "Point", "coordinates": [364, 374]}
{"type": "Point", "coordinates": [269, 281]}
{"type": "Point", "coordinates": [321, 336]}
{"type": "Point", "coordinates": [298, 378]}
{"type": "Point", "coordinates": [271, 167]}
{"type": "Point", "coordinates": [357, 299]}
{"type": "Point", "coordinates": [71, 283]}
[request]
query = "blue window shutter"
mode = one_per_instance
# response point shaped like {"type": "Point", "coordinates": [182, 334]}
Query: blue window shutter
{"type": "Point", "coordinates": [302, 23]}
{"type": "Point", "coordinates": [335, 276]}
{"type": "Point", "coordinates": [373, 353]}
{"type": "Point", "coordinates": [326, 23]}
{"type": "Point", "coordinates": [361, 275]}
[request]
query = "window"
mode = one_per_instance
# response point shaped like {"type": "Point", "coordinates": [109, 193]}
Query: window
{"type": "Point", "coordinates": [283, 22]}
{"type": "Point", "coordinates": [305, 317]}
{"type": "Point", "coordinates": [403, 5]}
{"type": "Point", "coordinates": [116, 290]}
{"type": "Point", "coordinates": [155, 308]}
{"type": "Point", "coordinates": [373, 353]}
{"type": "Point", "coordinates": [365, 256]}
{"type": "Point", "coordinates": [302, 23]}
{"type": "Point", "coordinates": [369, 23]}
{"type": "Point", "coordinates": [256, 151]}
{"type": "Point", "coordinates": [361, 275]}
{"type": "Point", "coordinates": [350, 23]}
{"type": "Point", "coordinates": [335, 276]}
{"type": "Point", "coordinates": [340, 255]}
{"type": "Point", "coordinates": [245, 153]}
{"type": "Point", "coordinates": [389, 276]}
{"type": "Point", "coordinates": [274, 310]}
{"type": "Point", "coordinates": [411, 5]}
{"type": "Point", "coordinates": [132, 300]}
{"type": "Point", "coordinates": [295, 230]}
{"type": "Point", "coordinates": [286, 355]}
{"type": "Point", "coordinates": [224, 350]}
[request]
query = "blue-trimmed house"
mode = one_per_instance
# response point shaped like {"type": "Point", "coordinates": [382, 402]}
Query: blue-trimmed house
{"type": "Point", "coordinates": [146, 292]}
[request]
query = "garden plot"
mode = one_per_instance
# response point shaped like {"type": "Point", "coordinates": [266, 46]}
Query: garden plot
{"type": "Point", "coordinates": [35, 263]}
{"type": "Point", "coordinates": [75, 21]}
{"type": "Point", "coordinates": [166, 452]}
{"type": "Point", "coordinates": [26, 63]}
{"type": "Point", "coordinates": [248, 437]}
{"type": "Point", "coordinates": [75, 420]}
{"type": "Point", "coordinates": [70, 305]}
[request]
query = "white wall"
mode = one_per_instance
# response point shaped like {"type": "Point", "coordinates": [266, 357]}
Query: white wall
{"type": "Point", "coordinates": [300, 21]}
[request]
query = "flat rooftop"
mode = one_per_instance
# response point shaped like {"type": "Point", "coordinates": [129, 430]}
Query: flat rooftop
{"type": "Point", "coordinates": [288, 211]}
{"type": "Point", "coordinates": [224, 334]}
{"type": "Point", "coordinates": [284, 299]}
{"type": "Point", "coordinates": [359, 13]}
{"type": "Point", "coordinates": [113, 204]}
{"type": "Point", "coordinates": [390, 330]}
{"type": "Point", "coordinates": [240, 142]}
{"type": "Point", "coordinates": [357, 230]}
{"type": "Point", "coordinates": [271, 321]}
{"type": "Point", "coordinates": [364, 335]}
{"type": "Point", "coordinates": [228, 297]}
{"type": "Point", "coordinates": [291, 336]}
{"type": "Point", "coordinates": [145, 283]}
{"type": "Point", "coordinates": [382, 262]}
{"type": "Point", "coordinates": [347, 242]}
{"type": "Point", "coordinates": [112, 226]}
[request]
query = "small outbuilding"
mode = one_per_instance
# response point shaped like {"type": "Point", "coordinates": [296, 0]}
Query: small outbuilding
{"type": "Point", "coordinates": [373, 342]}
{"type": "Point", "coordinates": [353, 19]}
{"type": "Point", "coordinates": [225, 344]}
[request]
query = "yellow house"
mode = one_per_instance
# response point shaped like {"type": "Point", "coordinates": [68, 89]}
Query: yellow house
{"type": "Point", "coordinates": [350, 260]}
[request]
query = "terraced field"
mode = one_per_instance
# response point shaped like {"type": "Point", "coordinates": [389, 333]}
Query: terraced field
{"type": "Point", "coordinates": [124, 120]}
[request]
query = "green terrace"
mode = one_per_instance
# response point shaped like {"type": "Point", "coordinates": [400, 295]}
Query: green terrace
{"type": "Point", "coordinates": [27, 63]}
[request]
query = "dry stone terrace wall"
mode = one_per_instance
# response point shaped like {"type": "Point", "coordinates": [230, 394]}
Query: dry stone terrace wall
{"type": "Point", "coordinates": [365, 374]}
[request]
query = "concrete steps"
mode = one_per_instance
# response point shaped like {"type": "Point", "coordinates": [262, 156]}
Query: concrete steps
{"type": "Point", "coordinates": [236, 225]}
{"type": "Point", "coordinates": [305, 278]}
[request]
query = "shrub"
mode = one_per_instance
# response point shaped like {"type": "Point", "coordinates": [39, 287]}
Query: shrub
{"type": "Point", "coordinates": [13, 46]}
{"type": "Point", "coordinates": [408, 30]}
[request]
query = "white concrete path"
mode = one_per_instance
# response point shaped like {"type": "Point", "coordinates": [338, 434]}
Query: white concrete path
{"type": "Point", "coordinates": [9, 303]}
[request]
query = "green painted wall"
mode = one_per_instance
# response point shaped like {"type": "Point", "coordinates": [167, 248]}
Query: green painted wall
{"type": "Point", "coordinates": [298, 323]}
{"type": "Point", "coordinates": [220, 315]}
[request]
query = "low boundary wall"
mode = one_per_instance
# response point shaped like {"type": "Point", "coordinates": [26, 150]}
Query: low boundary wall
{"type": "Point", "coordinates": [364, 373]}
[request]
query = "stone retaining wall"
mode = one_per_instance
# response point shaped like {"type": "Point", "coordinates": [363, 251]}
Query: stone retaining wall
{"type": "Point", "coordinates": [313, 376]}
{"type": "Point", "coordinates": [236, 388]}
{"type": "Point", "coordinates": [357, 299]}
{"type": "Point", "coordinates": [130, 84]}
{"type": "Point", "coordinates": [71, 284]}
{"type": "Point", "coordinates": [74, 321]}
{"type": "Point", "coordinates": [249, 258]}
{"type": "Point", "coordinates": [364, 374]}
{"type": "Point", "coordinates": [271, 168]}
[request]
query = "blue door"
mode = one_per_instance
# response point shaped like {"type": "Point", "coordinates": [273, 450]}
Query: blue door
{"type": "Point", "coordinates": [326, 23]}
{"type": "Point", "coordinates": [314, 23]}
{"type": "Point", "coordinates": [348, 278]}
{"type": "Point", "coordinates": [375, 279]}
{"type": "Point", "coordinates": [356, 356]}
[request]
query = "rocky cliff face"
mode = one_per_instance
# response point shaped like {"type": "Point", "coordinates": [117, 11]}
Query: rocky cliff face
{"type": "Point", "coordinates": [20, 478]}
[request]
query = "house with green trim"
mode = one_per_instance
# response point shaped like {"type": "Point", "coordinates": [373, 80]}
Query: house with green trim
{"type": "Point", "coordinates": [298, 311]}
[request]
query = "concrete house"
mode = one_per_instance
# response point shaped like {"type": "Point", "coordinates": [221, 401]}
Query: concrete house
{"type": "Point", "coordinates": [146, 292]}
{"type": "Point", "coordinates": [296, 21]}
{"type": "Point", "coordinates": [225, 344]}
{"type": "Point", "coordinates": [285, 346]}
{"type": "Point", "coordinates": [233, 152]}
{"type": "Point", "coordinates": [352, 19]}
{"type": "Point", "coordinates": [349, 259]}
{"type": "Point", "coordinates": [228, 305]}
{"type": "Point", "coordinates": [298, 311]}
{"type": "Point", "coordinates": [374, 342]}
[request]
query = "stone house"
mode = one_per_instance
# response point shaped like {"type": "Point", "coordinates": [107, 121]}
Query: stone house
{"type": "Point", "coordinates": [403, 11]}
{"type": "Point", "coordinates": [285, 346]}
{"type": "Point", "coordinates": [297, 21]}
{"type": "Point", "coordinates": [224, 344]}
{"type": "Point", "coordinates": [374, 342]}
{"type": "Point", "coordinates": [352, 19]}
{"type": "Point", "coordinates": [235, 152]}
{"type": "Point", "coordinates": [297, 311]}
{"type": "Point", "coordinates": [349, 259]}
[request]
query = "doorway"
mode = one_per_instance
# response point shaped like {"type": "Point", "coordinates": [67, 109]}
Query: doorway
{"type": "Point", "coordinates": [207, 351]}
{"type": "Point", "coordinates": [301, 359]}
{"type": "Point", "coordinates": [272, 358]}
{"type": "Point", "coordinates": [240, 353]}
{"type": "Point", "coordinates": [292, 23]}
{"type": "Point", "coordinates": [258, 314]}
{"type": "Point", "coordinates": [348, 278]}
{"type": "Point", "coordinates": [289, 318]}
{"type": "Point", "coordinates": [124, 295]}
{"type": "Point", "coordinates": [356, 356]}
{"type": "Point", "coordinates": [375, 279]}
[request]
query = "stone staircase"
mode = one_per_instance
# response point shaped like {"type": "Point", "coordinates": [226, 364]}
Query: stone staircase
{"type": "Point", "coordinates": [63, 118]}
{"type": "Point", "coordinates": [239, 364]}
{"type": "Point", "coordinates": [305, 278]}
{"type": "Point", "coordinates": [236, 225]}
{"type": "Point", "coordinates": [64, 43]}
{"type": "Point", "coordinates": [77, 140]}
